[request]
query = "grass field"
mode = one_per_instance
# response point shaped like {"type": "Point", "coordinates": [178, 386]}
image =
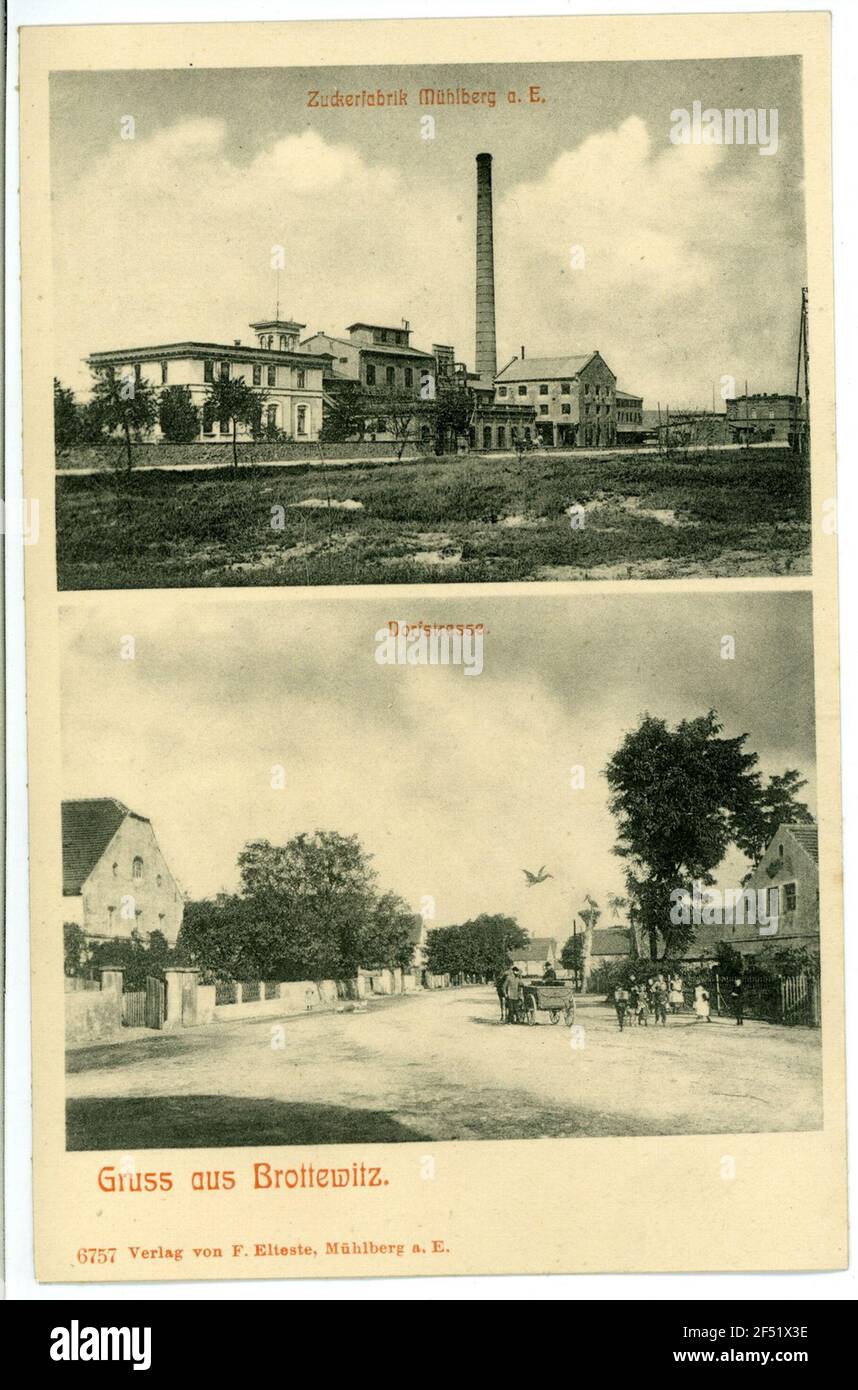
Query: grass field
{"type": "Point", "coordinates": [437, 520]}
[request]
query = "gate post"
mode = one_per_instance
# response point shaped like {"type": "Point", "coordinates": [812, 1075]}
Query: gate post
{"type": "Point", "coordinates": [111, 978]}
{"type": "Point", "coordinates": [181, 982]}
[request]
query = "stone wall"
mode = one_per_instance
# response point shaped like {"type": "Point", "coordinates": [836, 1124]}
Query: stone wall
{"type": "Point", "coordinates": [109, 456]}
{"type": "Point", "coordinates": [92, 1016]}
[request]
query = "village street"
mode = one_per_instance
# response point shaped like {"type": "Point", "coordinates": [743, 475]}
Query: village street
{"type": "Point", "coordinates": [440, 1066]}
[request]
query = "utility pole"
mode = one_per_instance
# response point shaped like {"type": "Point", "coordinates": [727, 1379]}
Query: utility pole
{"type": "Point", "coordinates": [801, 427]}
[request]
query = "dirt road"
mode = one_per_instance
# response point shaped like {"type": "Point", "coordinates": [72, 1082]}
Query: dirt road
{"type": "Point", "coordinates": [439, 1065]}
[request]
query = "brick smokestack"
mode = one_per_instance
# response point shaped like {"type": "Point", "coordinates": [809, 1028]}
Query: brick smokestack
{"type": "Point", "coordinates": [486, 349]}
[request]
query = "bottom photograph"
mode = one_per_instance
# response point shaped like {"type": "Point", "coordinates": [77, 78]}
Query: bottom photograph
{"type": "Point", "coordinates": [354, 869]}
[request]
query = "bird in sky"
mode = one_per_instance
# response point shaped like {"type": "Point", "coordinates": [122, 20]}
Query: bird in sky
{"type": "Point", "coordinates": [539, 877]}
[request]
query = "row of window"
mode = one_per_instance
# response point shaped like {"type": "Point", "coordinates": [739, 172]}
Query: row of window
{"type": "Point", "coordinates": [137, 869]}
{"type": "Point", "coordinates": [602, 392]}
{"type": "Point", "coordinates": [140, 923]}
{"type": "Point", "coordinates": [631, 417]}
{"type": "Point", "coordinates": [223, 374]}
{"type": "Point", "coordinates": [225, 426]}
{"type": "Point", "coordinates": [288, 341]}
{"type": "Point", "coordinates": [372, 378]}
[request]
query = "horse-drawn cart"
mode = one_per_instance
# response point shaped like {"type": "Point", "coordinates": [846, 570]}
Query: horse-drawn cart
{"type": "Point", "coordinates": [553, 997]}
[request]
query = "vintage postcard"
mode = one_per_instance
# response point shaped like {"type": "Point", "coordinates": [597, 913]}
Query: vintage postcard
{"type": "Point", "coordinates": [432, 648]}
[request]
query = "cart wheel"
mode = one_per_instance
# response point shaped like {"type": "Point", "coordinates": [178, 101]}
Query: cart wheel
{"type": "Point", "coordinates": [555, 1015]}
{"type": "Point", "coordinates": [569, 1013]}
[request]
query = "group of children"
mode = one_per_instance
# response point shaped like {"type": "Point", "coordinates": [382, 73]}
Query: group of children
{"type": "Point", "coordinates": [635, 1002]}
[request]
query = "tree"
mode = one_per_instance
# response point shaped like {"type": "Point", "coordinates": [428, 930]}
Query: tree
{"type": "Point", "coordinates": [572, 956]}
{"type": "Point", "coordinates": [65, 418]}
{"type": "Point", "coordinates": [616, 903]}
{"type": "Point", "coordinates": [775, 805]}
{"type": "Point", "coordinates": [178, 417]}
{"type": "Point", "coordinates": [590, 912]}
{"type": "Point", "coordinates": [452, 412]}
{"type": "Point", "coordinates": [74, 949]}
{"type": "Point", "coordinates": [681, 797]}
{"type": "Point", "coordinates": [344, 414]}
{"type": "Point", "coordinates": [125, 402]}
{"type": "Point", "coordinates": [233, 401]}
{"type": "Point", "coordinates": [483, 946]}
{"type": "Point", "coordinates": [90, 423]}
{"type": "Point", "coordinates": [399, 408]}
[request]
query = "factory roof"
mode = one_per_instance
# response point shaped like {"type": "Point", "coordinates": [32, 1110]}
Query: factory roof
{"type": "Point", "coordinates": [540, 368]}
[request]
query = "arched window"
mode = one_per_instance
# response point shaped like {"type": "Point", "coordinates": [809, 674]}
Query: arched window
{"type": "Point", "coordinates": [137, 867]}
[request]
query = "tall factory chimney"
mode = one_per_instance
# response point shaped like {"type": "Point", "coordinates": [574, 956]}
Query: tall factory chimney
{"type": "Point", "coordinates": [486, 349]}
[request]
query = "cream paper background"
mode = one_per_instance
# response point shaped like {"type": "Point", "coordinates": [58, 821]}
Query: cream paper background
{"type": "Point", "coordinates": [786, 1207]}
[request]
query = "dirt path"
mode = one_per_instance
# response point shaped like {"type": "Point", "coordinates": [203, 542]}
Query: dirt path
{"type": "Point", "coordinates": [440, 1066]}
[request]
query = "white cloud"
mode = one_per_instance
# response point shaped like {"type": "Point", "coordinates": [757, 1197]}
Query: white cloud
{"type": "Point", "coordinates": [171, 237]}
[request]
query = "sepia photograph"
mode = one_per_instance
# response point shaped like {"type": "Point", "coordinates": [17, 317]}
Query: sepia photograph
{"type": "Point", "coordinates": [390, 325]}
{"type": "Point", "coordinates": [468, 873]}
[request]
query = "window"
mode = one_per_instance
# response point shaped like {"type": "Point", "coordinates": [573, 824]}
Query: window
{"type": "Point", "coordinates": [163, 373]}
{"type": "Point", "coordinates": [302, 419]}
{"type": "Point", "coordinates": [208, 371]}
{"type": "Point", "coordinates": [501, 437]}
{"type": "Point", "coordinates": [789, 897]}
{"type": "Point", "coordinates": [137, 867]}
{"type": "Point", "coordinates": [115, 870]}
{"type": "Point", "coordinates": [586, 389]}
{"type": "Point", "coordinates": [501, 390]}
{"type": "Point", "coordinates": [224, 424]}
{"type": "Point", "coordinates": [543, 410]}
{"type": "Point", "coordinates": [390, 374]}
{"type": "Point", "coordinates": [773, 898]}
{"type": "Point", "coordinates": [780, 851]}
{"type": "Point", "coordinates": [110, 912]}
{"type": "Point", "coordinates": [284, 343]}
{"type": "Point", "coordinates": [543, 390]}
{"type": "Point", "coordinates": [370, 374]}
{"type": "Point", "coordinates": [137, 373]}
{"type": "Point", "coordinates": [565, 410]}
{"type": "Point", "coordinates": [224, 371]}
{"type": "Point", "coordinates": [257, 376]}
{"type": "Point", "coordinates": [522, 390]}
{"type": "Point", "coordinates": [300, 377]}
{"type": "Point", "coordinates": [271, 416]}
{"type": "Point", "coordinates": [409, 376]}
{"type": "Point", "coordinates": [565, 388]}
{"type": "Point", "coordinates": [487, 437]}
{"type": "Point", "coordinates": [272, 376]}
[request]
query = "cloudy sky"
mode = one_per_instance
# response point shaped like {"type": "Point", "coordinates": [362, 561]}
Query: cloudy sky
{"type": "Point", "coordinates": [693, 256]}
{"type": "Point", "coordinates": [454, 783]}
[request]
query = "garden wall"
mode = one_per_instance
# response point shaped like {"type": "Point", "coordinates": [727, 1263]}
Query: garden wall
{"type": "Point", "coordinates": [110, 456]}
{"type": "Point", "coordinates": [92, 1016]}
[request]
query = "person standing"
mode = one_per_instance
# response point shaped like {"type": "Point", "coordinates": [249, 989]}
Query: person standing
{"type": "Point", "coordinates": [621, 1003]}
{"type": "Point", "coordinates": [676, 997]}
{"type": "Point", "coordinates": [737, 994]}
{"type": "Point", "coordinates": [701, 1003]}
{"type": "Point", "coordinates": [659, 999]}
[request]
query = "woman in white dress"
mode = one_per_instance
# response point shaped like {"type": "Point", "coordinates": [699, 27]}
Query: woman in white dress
{"type": "Point", "coordinates": [701, 1003]}
{"type": "Point", "coordinates": [676, 998]}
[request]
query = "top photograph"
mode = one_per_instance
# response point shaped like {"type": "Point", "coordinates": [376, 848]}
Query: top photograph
{"type": "Point", "coordinates": [442, 324]}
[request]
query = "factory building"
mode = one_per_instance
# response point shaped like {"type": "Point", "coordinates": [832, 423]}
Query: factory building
{"type": "Point", "coordinates": [382, 362]}
{"type": "Point", "coordinates": [761, 418]}
{"type": "Point", "coordinates": [292, 385]}
{"type": "Point", "coordinates": [574, 398]}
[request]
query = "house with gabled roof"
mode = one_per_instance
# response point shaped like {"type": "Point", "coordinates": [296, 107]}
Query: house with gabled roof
{"type": "Point", "coordinates": [532, 957]}
{"type": "Point", "coordinates": [574, 396]}
{"type": "Point", "coordinates": [788, 875]}
{"type": "Point", "coordinates": [116, 880]}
